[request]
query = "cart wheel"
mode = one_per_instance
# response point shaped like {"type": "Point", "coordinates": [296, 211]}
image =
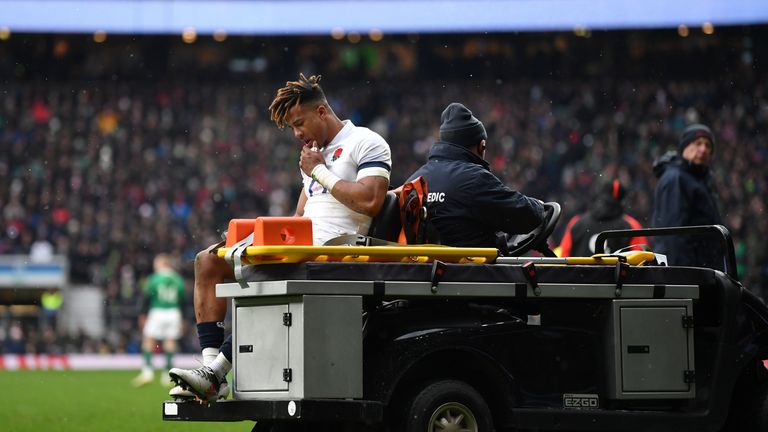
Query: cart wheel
{"type": "Point", "coordinates": [449, 406]}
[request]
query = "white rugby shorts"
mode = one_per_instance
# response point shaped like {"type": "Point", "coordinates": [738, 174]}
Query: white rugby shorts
{"type": "Point", "coordinates": [163, 324]}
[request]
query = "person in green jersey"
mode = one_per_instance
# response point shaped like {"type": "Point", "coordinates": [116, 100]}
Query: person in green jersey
{"type": "Point", "coordinates": [163, 298]}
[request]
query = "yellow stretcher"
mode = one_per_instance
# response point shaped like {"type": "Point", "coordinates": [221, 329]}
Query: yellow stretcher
{"type": "Point", "coordinates": [413, 254]}
{"type": "Point", "coordinates": [287, 240]}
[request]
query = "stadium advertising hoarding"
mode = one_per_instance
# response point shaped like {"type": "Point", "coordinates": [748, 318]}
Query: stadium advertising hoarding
{"type": "Point", "coordinates": [21, 362]}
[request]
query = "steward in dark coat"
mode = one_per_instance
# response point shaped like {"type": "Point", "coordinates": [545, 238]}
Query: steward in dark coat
{"type": "Point", "coordinates": [685, 196]}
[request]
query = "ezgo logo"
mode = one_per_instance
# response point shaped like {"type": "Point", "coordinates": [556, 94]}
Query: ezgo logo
{"type": "Point", "coordinates": [581, 401]}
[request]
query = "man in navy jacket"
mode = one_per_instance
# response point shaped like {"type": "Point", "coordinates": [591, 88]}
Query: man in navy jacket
{"type": "Point", "coordinates": [685, 196]}
{"type": "Point", "coordinates": [466, 203]}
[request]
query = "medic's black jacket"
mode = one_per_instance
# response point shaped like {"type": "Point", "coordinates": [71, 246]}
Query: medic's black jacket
{"type": "Point", "coordinates": [684, 197]}
{"type": "Point", "coordinates": [467, 204]}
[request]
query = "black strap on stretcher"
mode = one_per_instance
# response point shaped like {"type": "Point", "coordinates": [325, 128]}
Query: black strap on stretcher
{"type": "Point", "coordinates": [436, 275]}
{"type": "Point", "coordinates": [531, 275]}
{"type": "Point", "coordinates": [620, 273]}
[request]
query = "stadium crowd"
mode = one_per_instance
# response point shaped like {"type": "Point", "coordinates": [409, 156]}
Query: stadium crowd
{"type": "Point", "coordinates": [112, 172]}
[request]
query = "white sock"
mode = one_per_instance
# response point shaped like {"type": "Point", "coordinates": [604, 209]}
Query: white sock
{"type": "Point", "coordinates": [220, 366]}
{"type": "Point", "coordinates": [209, 355]}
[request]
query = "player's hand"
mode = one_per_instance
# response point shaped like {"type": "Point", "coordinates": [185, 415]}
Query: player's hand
{"type": "Point", "coordinates": [310, 158]}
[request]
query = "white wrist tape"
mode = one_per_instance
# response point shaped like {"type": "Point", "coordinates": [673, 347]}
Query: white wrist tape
{"type": "Point", "coordinates": [325, 177]}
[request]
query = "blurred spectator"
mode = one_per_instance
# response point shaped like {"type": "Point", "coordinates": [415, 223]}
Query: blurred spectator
{"type": "Point", "coordinates": [50, 305]}
{"type": "Point", "coordinates": [41, 251]}
{"type": "Point", "coordinates": [15, 342]}
{"type": "Point", "coordinates": [606, 212]}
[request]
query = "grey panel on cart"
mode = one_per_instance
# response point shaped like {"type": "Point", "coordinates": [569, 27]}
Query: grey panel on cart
{"type": "Point", "coordinates": [653, 349]}
{"type": "Point", "coordinates": [397, 289]}
{"type": "Point", "coordinates": [333, 353]}
{"type": "Point", "coordinates": [323, 338]}
{"type": "Point", "coordinates": [261, 348]}
{"type": "Point", "coordinates": [292, 287]}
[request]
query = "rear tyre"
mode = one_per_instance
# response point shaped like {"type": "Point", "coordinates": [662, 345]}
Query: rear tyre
{"type": "Point", "coordinates": [449, 405]}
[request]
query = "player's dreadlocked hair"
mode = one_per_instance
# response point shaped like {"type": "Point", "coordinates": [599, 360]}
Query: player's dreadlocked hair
{"type": "Point", "coordinates": [295, 92]}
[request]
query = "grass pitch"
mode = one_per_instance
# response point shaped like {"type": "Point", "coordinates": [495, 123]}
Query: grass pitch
{"type": "Point", "coordinates": [89, 401]}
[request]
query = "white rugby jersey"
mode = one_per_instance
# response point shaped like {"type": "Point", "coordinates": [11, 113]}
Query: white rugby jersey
{"type": "Point", "coordinates": [355, 152]}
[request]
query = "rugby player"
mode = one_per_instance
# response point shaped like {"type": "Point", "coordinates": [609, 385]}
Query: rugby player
{"type": "Point", "coordinates": [345, 171]}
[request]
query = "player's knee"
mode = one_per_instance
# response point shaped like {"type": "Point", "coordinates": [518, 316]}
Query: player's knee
{"type": "Point", "coordinates": [169, 345]}
{"type": "Point", "coordinates": [209, 265]}
{"type": "Point", "coordinates": [148, 345]}
{"type": "Point", "coordinates": [204, 260]}
{"type": "Point", "coordinates": [202, 255]}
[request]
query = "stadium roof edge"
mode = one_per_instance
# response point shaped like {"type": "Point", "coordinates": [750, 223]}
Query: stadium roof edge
{"type": "Point", "coordinates": [304, 17]}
